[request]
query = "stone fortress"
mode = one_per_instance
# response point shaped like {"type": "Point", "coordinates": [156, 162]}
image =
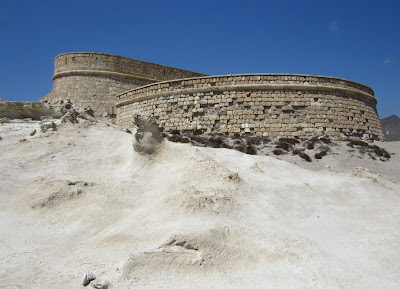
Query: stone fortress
{"type": "Point", "coordinates": [95, 79]}
{"type": "Point", "coordinates": [251, 105]}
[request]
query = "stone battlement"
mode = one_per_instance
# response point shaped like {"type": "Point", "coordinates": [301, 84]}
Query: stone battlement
{"type": "Point", "coordinates": [246, 82]}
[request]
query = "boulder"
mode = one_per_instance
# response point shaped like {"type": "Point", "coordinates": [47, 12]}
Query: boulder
{"type": "Point", "coordinates": [148, 136]}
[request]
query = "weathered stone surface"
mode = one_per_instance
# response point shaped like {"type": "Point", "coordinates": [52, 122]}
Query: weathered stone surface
{"type": "Point", "coordinates": [236, 105]}
{"type": "Point", "coordinates": [48, 125]}
{"type": "Point", "coordinates": [101, 284]}
{"type": "Point", "coordinates": [34, 110]}
{"type": "Point", "coordinates": [95, 79]}
{"type": "Point", "coordinates": [391, 128]}
{"type": "Point", "coordinates": [258, 105]}
{"type": "Point", "coordinates": [89, 277]}
{"type": "Point", "coordinates": [147, 137]}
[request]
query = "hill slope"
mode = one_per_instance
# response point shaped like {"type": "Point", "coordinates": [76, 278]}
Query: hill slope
{"type": "Point", "coordinates": [391, 128]}
{"type": "Point", "coordinates": [80, 199]}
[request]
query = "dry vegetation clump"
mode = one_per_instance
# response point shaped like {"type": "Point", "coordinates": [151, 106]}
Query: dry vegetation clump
{"type": "Point", "coordinates": [239, 147]}
{"type": "Point", "coordinates": [325, 140]}
{"type": "Point", "coordinates": [323, 151]}
{"type": "Point", "coordinates": [373, 151]}
{"type": "Point", "coordinates": [305, 156]}
{"type": "Point", "coordinates": [291, 141]}
{"type": "Point", "coordinates": [320, 154]}
{"type": "Point", "coordinates": [380, 151]}
{"type": "Point", "coordinates": [360, 143]}
{"type": "Point", "coordinates": [178, 138]}
{"type": "Point", "coordinates": [250, 150]}
{"type": "Point", "coordinates": [248, 145]}
{"type": "Point", "coordinates": [215, 141]}
{"type": "Point", "coordinates": [318, 147]}
{"type": "Point", "coordinates": [310, 145]}
{"type": "Point", "coordinates": [283, 145]}
{"type": "Point", "coordinates": [286, 144]}
{"type": "Point", "coordinates": [278, 152]}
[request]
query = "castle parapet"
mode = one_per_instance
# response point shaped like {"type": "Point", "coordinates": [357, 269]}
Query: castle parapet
{"type": "Point", "coordinates": [103, 64]}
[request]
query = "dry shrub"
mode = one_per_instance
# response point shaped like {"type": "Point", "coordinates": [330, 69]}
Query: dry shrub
{"type": "Point", "coordinates": [291, 141]}
{"type": "Point", "coordinates": [305, 156]}
{"type": "Point", "coordinates": [320, 154]}
{"type": "Point", "coordinates": [380, 151]}
{"type": "Point", "coordinates": [325, 140]}
{"type": "Point", "coordinates": [310, 145]}
{"type": "Point", "coordinates": [283, 145]}
{"type": "Point", "coordinates": [250, 150]}
{"type": "Point", "coordinates": [239, 147]}
{"type": "Point", "coordinates": [353, 143]}
{"type": "Point", "coordinates": [278, 152]}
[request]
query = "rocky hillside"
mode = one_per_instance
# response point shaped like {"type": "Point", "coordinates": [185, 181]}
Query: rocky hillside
{"type": "Point", "coordinates": [391, 128]}
{"type": "Point", "coordinates": [76, 197]}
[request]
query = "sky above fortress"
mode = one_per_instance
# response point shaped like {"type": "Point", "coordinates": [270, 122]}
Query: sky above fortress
{"type": "Point", "coordinates": [355, 40]}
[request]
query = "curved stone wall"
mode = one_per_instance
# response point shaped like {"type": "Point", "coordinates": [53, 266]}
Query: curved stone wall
{"type": "Point", "coordinates": [97, 91]}
{"type": "Point", "coordinates": [108, 64]}
{"type": "Point", "coordinates": [94, 79]}
{"type": "Point", "coordinates": [257, 105]}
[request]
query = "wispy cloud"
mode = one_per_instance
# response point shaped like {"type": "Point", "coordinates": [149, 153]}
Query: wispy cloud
{"type": "Point", "coordinates": [387, 61]}
{"type": "Point", "coordinates": [333, 27]}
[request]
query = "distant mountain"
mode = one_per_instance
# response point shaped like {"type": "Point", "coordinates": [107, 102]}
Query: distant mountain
{"type": "Point", "coordinates": [391, 127]}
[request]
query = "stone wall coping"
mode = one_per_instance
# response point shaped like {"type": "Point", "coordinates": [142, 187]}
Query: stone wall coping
{"type": "Point", "coordinates": [128, 59]}
{"type": "Point", "coordinates": [246, 87]}
{"type": "Point", "coordinates": [101, 72]}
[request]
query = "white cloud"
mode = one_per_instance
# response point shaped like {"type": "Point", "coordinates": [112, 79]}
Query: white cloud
{"type": "Point", "coordinates": [333, 27]}
{"type": "Point", "coordinates": [387, 61]}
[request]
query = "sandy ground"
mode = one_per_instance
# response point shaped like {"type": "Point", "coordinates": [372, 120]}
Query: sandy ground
{"type": "Point", "coordinates": [343, 159]}
{"type": "Point", "coordinates": [80, 199]}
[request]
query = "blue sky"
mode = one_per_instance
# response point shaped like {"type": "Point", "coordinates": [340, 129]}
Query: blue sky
{"type": "Point", "coordinates": [355, 40]}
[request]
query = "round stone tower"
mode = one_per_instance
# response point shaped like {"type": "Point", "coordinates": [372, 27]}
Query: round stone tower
{"type": "Point", "coordinates": [94, 79]}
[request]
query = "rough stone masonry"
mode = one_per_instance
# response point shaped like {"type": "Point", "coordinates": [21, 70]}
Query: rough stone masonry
{"type": "Point", "coordinates": [273, 105]}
